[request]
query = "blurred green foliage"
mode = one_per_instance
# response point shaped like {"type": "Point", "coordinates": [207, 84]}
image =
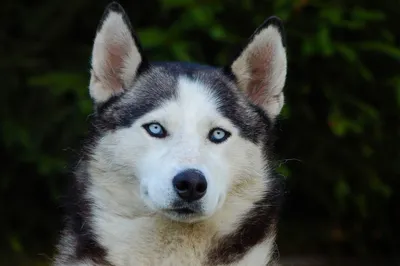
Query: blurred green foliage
{"type": "Point", "coordinates": [339, 134]}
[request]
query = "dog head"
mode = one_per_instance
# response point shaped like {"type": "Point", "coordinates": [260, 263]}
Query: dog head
{"type": "Point", "coordinates": [175, 138]}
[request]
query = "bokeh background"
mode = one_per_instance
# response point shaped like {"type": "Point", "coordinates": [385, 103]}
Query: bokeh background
{"type": "Point", "coordinates": [339, 135]}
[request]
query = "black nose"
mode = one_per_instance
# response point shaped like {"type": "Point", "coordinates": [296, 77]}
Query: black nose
{"type": "Point", "coordinates": [190, 185]}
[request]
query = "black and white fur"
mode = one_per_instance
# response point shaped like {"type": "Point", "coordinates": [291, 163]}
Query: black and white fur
{"type": "Point", "coordinates": [123, 206]}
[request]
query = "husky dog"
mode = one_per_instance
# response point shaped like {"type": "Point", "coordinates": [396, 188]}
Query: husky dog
{"type": "Point", "coordinates": [177, 167]}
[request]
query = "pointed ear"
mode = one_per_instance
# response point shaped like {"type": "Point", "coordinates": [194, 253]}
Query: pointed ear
{"type": "Point", "coordinates": [117, 56]}
{"type": "Point", "coordinates": [260, 69]}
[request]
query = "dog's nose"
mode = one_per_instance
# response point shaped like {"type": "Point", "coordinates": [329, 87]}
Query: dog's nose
{"type": "Point", "coordinates": [190, 185]}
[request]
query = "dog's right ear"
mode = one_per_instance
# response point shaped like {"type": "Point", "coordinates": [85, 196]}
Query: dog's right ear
{"type": "Point", "coordinates": [117, 56]}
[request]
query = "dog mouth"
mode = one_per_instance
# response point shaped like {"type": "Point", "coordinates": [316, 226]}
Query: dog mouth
{"type": "Point", "coordinates": [182, 211]}
{"type": "Point", "coordinates": [186, 212]}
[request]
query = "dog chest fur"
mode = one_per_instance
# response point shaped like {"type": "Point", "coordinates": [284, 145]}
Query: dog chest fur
{"type": "Point", "coordinates": [155, 241]}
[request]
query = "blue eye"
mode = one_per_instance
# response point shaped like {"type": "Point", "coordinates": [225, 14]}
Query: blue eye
{"type": "Point", "coordinates": [155, 130]}
{"type": "Point", "coordinates": [218, 135]}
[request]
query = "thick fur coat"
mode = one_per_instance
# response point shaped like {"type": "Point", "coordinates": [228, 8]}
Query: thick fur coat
{"type": "Point", "coordinates": [177, 167]}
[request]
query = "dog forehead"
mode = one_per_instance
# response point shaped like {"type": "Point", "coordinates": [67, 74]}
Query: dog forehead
{"type": "Point", "coordinates": [198, 89]}
{"type": "Point", "coordinates": [191, 86]}
{"type": "Point", "coordinates": [164, 81]}
{"type": "Point", "coordinates": [195, 96]}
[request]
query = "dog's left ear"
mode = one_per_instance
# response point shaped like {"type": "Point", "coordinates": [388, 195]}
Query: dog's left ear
{"type": "Point", "coordinates": [260, 69]}
{"type": "Point", "coordinates": [117, 56]}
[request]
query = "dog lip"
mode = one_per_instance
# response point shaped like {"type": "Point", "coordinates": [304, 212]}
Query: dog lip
{"type": "Point", "coordinates": [182, 210]}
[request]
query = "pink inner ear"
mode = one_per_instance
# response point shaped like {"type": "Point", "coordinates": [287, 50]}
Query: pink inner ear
{"type": "Point", "coordinates": [114, 66]}
{"type": "Point", "coordinates": [260, 67]}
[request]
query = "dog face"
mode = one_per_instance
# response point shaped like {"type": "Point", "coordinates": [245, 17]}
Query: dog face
{"type": "Point", "coordinates": [178, 139]}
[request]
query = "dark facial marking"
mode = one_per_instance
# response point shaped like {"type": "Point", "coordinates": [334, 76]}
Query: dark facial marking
{"type": "Point", "coordinates": [158, 84]}
{"type": "Point", "coordinates": [150, 91]}
{"type": "Point", "coordinates": [259, 223]}
{"type": "Point", "coordinates": [235, 106]}
{"type": "Point", "coordinates": [78, 208]}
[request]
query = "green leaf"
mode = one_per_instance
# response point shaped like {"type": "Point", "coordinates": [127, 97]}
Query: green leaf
{"type": "Point", "coordinates": [202, 16]}
{"type": "Point", "coordinates": [324, 41]}
{"type": "Point", "coordinates": [348, 53]}
{"type": "Point", "coordinates": [152, 37]}
{"type": "Point", "coordinates": [181, 51]}
{"type": "Point", "coordinates": [362, 14]}
{"type": "Point", "coordinates": [217, 32]}
{"type": "Point", "coordinates": [342, 189]}
{"type": "Point", "coordinates": [333, 15]}
{"type": "Point", "coordinates": [59, 83]}
{"type": "Point", "coordinates": [377, 185]}
{"type": "Point", "coordinates": [387, 49]}
{"type": "Point", "coordinates": [15, 244]}
{"type": "Point", "coordinates": [365, 72]}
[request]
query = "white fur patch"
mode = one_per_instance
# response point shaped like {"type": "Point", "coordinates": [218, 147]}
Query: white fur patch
{"type": "Point", "coordinates": [261, 252]}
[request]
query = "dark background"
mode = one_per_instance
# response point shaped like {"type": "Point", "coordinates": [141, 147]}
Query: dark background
{"type": "Point", "coordinates": [339, 135]}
